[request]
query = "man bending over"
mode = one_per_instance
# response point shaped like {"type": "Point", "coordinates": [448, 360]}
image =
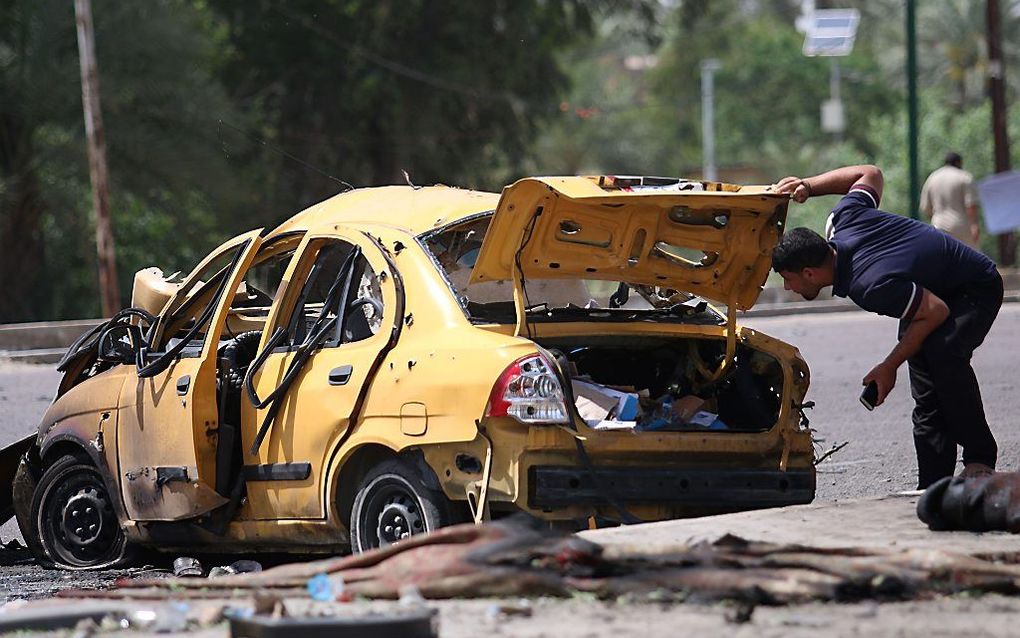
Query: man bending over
{"type": "Point", "coordinates": [945, 294]}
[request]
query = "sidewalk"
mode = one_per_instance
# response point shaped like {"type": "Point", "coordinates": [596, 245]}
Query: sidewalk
{"type": "Point", "coordinates": [886, 522]}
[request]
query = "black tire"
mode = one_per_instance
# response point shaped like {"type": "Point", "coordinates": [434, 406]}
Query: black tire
{"type": "Point", "coordinates": [393, 502]}
{"type": "Point", "coordinates": [72, 518]}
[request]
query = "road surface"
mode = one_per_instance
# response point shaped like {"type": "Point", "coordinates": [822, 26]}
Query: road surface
{"type": "Point", "coordinates": [839, 347]}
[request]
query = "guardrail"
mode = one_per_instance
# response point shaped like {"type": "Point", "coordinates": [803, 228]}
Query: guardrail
{"type": "Point", "coordinates": [41, 342]}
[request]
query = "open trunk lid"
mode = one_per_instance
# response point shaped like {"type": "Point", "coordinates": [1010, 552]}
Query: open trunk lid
{"type": "Point", "coordinates": [710, 239]}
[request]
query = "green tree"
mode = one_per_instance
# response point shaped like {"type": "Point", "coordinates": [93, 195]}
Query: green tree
{"type": "Point", "coordinates": [447, 91]}
{"type": "Point", "coordinates": [173, 190]}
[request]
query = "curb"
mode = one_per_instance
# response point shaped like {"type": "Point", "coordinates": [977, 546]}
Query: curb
{"type": "Point", "coordinates": [827, 306]}
{"type": "Point", "coordinates": [38, 355]}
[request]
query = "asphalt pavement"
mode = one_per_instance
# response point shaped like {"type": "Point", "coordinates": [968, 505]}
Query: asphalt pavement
{"type": "Point", "coordinates": [840, 349]}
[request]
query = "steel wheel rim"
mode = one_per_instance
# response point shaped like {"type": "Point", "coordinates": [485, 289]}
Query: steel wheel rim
{"type": "Point", "coordinates": [79, 527]}
{"type": "Point", "coordinates": [392, 513]}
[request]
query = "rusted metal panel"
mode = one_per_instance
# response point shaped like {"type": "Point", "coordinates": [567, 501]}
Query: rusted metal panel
{"type": "Point", "coordinates": [154, 494]}
{"type": "Point", "coordinates": [170, 420]}
{"type": "Point", "coordinates": [10, 457]}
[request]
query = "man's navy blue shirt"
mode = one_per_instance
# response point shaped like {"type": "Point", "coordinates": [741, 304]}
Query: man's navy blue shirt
{"type": "Point", "coordinates": [883, 260]}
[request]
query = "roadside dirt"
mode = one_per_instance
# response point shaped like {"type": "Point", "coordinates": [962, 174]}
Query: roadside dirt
{"type": "Point", "coordinates": [985, 616]}
{"type": "Point", "coordinates": [992, 616]}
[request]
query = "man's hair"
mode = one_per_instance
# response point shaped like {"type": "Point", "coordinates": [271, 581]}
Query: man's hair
{"type": "Point", "coordinates": [953, 159]}
{"type": "Point", "coordinates": [798, 249]}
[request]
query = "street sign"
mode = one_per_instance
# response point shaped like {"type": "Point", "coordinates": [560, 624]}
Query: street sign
{"type": "Point", "coordinates": [999, 202]}
{"type": "Point", "coordinates": [831, 32]}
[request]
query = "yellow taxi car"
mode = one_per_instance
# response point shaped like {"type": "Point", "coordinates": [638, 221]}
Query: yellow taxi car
{"type": "Point", "coordinates": [397, 359]}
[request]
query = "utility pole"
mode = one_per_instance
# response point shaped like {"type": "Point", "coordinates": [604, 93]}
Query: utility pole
{"type": "Point", "coordinates": [708, 69]}
{"type": "Point", "coordinates": [997, 90]}
{"type": "Point", "coordinates": [108, 290]}
{"type": "Point", "coordinates": [915, 202]}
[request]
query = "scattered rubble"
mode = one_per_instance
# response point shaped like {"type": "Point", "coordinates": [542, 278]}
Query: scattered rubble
{"type": "Point", "coordinates": [186, 566]}
{"type": "Point", "coordinates": [513, 559]}
{"type": "Point", "coordinates": [243, 566]}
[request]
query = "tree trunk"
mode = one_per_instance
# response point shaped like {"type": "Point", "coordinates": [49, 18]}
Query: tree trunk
{"type": "Point", "coordinates": [21, 212]}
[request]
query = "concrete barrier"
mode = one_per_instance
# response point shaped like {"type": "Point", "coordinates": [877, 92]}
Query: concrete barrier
{"type": "Point", "coordinates": [41, 342]}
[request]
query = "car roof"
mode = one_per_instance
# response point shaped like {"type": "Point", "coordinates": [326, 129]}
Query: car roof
{"type": "Point", "coordinates": [414, 209]}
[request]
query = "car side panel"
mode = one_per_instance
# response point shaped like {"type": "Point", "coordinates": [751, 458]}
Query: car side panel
{"type": "Point", "coordinates": [441, 362]}
{"type": "Point", "coordinates": [315, 415]}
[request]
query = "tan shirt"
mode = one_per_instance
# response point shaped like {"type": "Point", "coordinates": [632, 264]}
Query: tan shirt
{"type": "Point", "coordinates": [946, 195]}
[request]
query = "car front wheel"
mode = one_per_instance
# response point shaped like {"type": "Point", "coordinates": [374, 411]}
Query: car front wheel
{"type": "Point", "coordinates": [393, 503]}
{"type": "Point", "coordinates": [72, 514]}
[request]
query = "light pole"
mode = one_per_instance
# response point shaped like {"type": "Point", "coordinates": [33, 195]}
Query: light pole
{"type": "Point", "coordinates": [708, 69]}
{"type": "Point", "coordinates": [912, 109]}
{"type": "Point", "coordinates": [831, 33]}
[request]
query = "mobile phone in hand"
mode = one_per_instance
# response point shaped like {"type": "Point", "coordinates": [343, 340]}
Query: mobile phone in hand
{"type": "Point", "coordinates": [870, 395]}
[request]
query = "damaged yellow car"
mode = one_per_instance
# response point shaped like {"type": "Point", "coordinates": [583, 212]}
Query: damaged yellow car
{"type": "Point", "coordinates": [397, 359]}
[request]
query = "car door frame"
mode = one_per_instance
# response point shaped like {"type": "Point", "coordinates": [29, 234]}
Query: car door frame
{"type": "Point", "coordinates": [152, 488]}
{"type": "Point", "coordinates": [269, 477]}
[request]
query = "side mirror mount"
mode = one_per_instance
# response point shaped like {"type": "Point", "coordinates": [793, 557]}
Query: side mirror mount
{"type": "Point", "coordinates": [120, 343]}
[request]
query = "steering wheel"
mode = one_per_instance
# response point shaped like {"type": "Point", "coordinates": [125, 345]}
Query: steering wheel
{"type": "Point", "coordinates": [362, 301]}
{"type": "Point", "coordinates": [257, 297]}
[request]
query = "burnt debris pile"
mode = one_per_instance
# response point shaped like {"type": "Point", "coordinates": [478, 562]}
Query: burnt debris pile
{"type": "Point", "coordinates": [515, 558]}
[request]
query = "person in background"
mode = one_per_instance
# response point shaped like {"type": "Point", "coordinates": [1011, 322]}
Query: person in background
{"type": "Point", "coordinates": [949, 202]}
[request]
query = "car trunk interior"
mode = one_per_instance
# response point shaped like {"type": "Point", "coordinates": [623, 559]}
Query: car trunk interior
{"type": "Point", "coordinates": [645, 383]}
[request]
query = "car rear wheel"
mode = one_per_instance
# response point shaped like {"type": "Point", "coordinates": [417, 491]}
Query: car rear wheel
{"type": "Point", "coordinates": [72, 514]}
{"type": "Point", "coordinates": [393, 503]}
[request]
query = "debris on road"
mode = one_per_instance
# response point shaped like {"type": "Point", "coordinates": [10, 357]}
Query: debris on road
{"type": "Point", "coordinates": [977, 504]}
{"type": "Point", "coordinates": [243, 566]}
{"type": "Point", "coordinates": [24, 618]}
{"type": "Point", "coordinates": [835, 448]}
{"type": "Point", "coordinates": [512, 559]}
{"type": "Point", "coordinates": [14, 553]}
{"type": "Point", "coordinates": [520, 609]}
{"type": "Point", "coordinates": [186, 566]}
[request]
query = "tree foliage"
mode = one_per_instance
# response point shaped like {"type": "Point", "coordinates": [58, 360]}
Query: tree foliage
{"type": "Point", "coordinates": [205, 100]}
{"type": "Point", "coordinates": [172, 188]}
{"type": "Point", "coordinates": [225, 115]}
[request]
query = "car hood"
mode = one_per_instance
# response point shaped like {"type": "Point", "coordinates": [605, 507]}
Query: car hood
{"type": "Point", "coordinates": [710, 239]}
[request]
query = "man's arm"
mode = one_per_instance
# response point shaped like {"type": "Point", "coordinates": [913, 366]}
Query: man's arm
{"type": "Point", "coordinates": [835, 182]}
{"type": "Point", "coordinates": [930, 314]}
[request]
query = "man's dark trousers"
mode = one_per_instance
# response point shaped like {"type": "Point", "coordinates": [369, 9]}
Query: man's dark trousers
{"type": "Point", "coordinates": [948, 410]}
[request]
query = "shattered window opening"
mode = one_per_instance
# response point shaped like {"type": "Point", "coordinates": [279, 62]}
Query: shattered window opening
{"type": "Point", "coordinates": [193, 300]}
{"type": "Point", "coordinates": [455, 249]}
{"type": "Point", "coordinates": [364, 301]}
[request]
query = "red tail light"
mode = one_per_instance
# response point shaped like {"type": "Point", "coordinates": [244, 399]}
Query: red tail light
{"type": "Point", "coordinates": [529, 391]}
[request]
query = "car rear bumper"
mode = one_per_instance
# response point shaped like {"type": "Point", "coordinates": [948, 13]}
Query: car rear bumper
{"type": "Point", "coordinates": [553, 487]}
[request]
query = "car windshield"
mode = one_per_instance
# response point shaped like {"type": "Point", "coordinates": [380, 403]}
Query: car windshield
{"type": "Point", "coordinates": [455, 249]}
